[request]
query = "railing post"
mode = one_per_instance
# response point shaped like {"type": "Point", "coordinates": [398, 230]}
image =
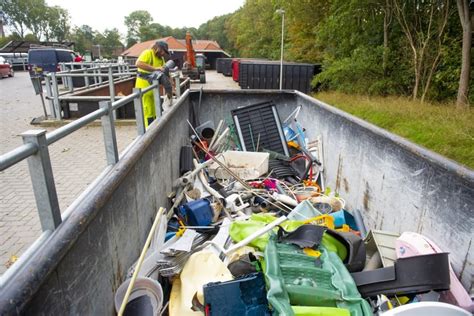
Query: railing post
{"type": "Point", "coordinates": [42, 180]}
{"type": "Point", "coordinates": [57, 105]}
{"type": "Point", "coordinates": [110, 139]}
{"type": "Point", "coordinates": [111, 88]}
{"type": "Point", "coordinates": [86, 77]}
{"type": "Point", "coordinates": [177, 86]}
{"type": "Point", "coordinates": [69, 81]}
{"type": "Point", "coordinates": [62, 68]}
{"type": "Point", "coordinates": [156, 97]}
{"type": "Point", "coordinates": [137, 102]}
{"type": "Point", "coordinates": [95, 76]}
{"type": "Point", "coordinates": [49, 94]}
{"type": "Point", "coordinates": [100, 74]}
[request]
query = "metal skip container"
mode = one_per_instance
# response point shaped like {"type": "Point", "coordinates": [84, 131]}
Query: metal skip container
{"type": "Point", "coordinates": [259, 74]}
{"type": "Point", "coordinates": [396, 185]}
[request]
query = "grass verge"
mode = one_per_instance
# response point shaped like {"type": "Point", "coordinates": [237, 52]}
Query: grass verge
{"type": "Point", "coordinates": [440, 127]}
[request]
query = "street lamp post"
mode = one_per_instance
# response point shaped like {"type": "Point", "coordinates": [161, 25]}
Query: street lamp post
{"type": "Point", "coordinates": [282, 12]}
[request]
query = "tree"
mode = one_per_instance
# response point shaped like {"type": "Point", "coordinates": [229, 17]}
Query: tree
{"type": "Point", "coordinates": [83, 37]}
{"type": "Point", "coordinates": [15, 15]}
{"type": "Point", "coordinates": [465, 18]}
{"type": "Point", "coordinates": [58, 23]}
{"type": "Point", "coordinates": [109, 41]}
{"type": "Point", "coordinates": [423, 23]}
{"type": "Point", "coordinates": [254, 29]}
{"type": "Point", "coordinates": [35, 16]}
{"type": "Point", "coordinates": [214, 29]}
{"type": "Point", "coordinates": [136, 22]}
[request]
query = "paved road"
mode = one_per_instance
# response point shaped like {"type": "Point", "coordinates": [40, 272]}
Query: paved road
{"type": "Point", "coordinates": [77, 160]}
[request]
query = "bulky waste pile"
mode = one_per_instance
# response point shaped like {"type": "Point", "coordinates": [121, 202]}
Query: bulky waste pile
{"type": "Point", "coordinates": [254, 230]}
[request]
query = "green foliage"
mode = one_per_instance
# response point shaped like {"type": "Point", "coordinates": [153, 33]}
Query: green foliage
{"type": "Point", "coordinates": [45, 22]}
{"type": "Point", "coordinates": [347, 37]}
{"type": "Point", "coordinates": [262, 39]}
{"type": "Point", "coordinates": [439, 127]}
{"type": "Point", "coordinates": [214, 29]}
{"type": "Point", "coordinates": [136, 22]}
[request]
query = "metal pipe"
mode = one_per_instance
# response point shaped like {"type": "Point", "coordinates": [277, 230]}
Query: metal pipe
{"type": "Point", "coordinates": [182, 84]}
{"type": "Point", "coordinates": [219, 140]}
{"type": "Point", "coordinates": [65, 130]}
{"type": "Point", "coordinates": [124, 100]}
{"type": "Point", "coordinates": [86, 97]}
{"type": "Point", "coordinates": [216, 133]}
{"type": "Point", "coordinates": [61, 75]}
{"type": "Point", "coordinates": [282, 12]}
{"type": "Point", "coordinates": [150, 87]}
{"type": "Point", "coordinates": [16, 155]}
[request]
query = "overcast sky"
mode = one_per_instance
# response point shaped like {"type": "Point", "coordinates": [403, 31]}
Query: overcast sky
{"type": "Point", "coordinates": [102, 14]}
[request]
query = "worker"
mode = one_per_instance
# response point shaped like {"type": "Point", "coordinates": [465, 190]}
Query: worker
{"type": "Point", "coordinates": [150, 60]}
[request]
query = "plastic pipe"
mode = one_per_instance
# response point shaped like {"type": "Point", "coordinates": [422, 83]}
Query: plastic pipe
{"type": "Point", "coordinates": [140, 261]}
{"type": "Point", "coordinates": [285, 199]}
{"type": "Point", "coordinates": [216, 132]}
{"type": "Point", "coordinates": [219, 140]}
{"type": "Point", "coordinates": [206, 185]}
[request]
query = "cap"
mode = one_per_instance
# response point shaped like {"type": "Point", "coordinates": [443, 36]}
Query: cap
{"type": "Point", "coordinates": [163, 45]}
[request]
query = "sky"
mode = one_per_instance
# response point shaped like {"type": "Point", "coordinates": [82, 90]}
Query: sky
{"type": "Point", "coordinates": [102, 14]}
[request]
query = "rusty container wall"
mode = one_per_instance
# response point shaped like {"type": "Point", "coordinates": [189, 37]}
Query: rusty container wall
{"type": "Point", "coordinates": [397, 185]}
{"type": "Point", "coordinates": [74, 108]}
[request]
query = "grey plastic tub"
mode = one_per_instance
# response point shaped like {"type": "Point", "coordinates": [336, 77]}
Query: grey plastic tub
{"type": "Point", "coordinates": [397, 185]}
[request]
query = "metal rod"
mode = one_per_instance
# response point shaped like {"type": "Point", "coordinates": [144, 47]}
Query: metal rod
{"type": "Point", "coordinates": [41, 173]}
{"type": "Point", "coordinates": [67, 75]}
{"type": "Point", "coordinates": [67, 129]}
{"type": "Point", "coordinates": [16, 155]}
{"type": "Point", "coordinates": [124, 100]}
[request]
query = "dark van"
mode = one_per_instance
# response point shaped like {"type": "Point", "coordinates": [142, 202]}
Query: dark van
{"type": "Point", "coordinates": [41, 60]}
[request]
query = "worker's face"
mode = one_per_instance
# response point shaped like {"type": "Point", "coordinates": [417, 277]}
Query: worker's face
{"type": "Point", "coordinates": [159, 52]}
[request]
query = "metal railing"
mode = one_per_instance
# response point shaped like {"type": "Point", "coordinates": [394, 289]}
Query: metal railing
{"type": "Point", "coordinates": [93, 74]}
{"type": "Point", "coordinates": [36, 143]}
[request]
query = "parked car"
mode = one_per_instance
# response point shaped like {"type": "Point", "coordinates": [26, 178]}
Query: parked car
{"type": "Point", "coordinates": [42, 60]}
{"type": "Point", "coordinates": [6, 69]}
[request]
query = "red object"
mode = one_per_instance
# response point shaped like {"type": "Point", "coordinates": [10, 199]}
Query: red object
{"type": "Point", "coordinates": [190, 53]}
{"type": "Point", "coordinates": [5, 68]}
{"type": "Point", "coordinates": [235, 69]}
{"type": "Point", "coordinates": [78, 59]}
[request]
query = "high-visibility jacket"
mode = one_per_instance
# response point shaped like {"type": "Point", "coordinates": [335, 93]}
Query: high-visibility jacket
{"type": "Point", "coordinates": [148, 101]}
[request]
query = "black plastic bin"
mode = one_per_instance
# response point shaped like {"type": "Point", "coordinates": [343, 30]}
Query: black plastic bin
{"type": "Point", "coordinates": [266, 75]}
{"type": "Point", "coordinates": [224, 66]}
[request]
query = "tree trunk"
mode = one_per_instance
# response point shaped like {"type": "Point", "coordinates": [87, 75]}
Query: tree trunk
{"type": "Point", "coordinates": [417, 68]}
{"type": "Point", "coordinates": [465, 17]}
{"type": "Point", "coordinates": [385, 44]}
{"type": "Point", "coordinates": [387, 20]}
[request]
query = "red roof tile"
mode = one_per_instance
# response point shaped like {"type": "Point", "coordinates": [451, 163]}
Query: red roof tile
{"type": "Point", "coordinates": [173, 45]}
